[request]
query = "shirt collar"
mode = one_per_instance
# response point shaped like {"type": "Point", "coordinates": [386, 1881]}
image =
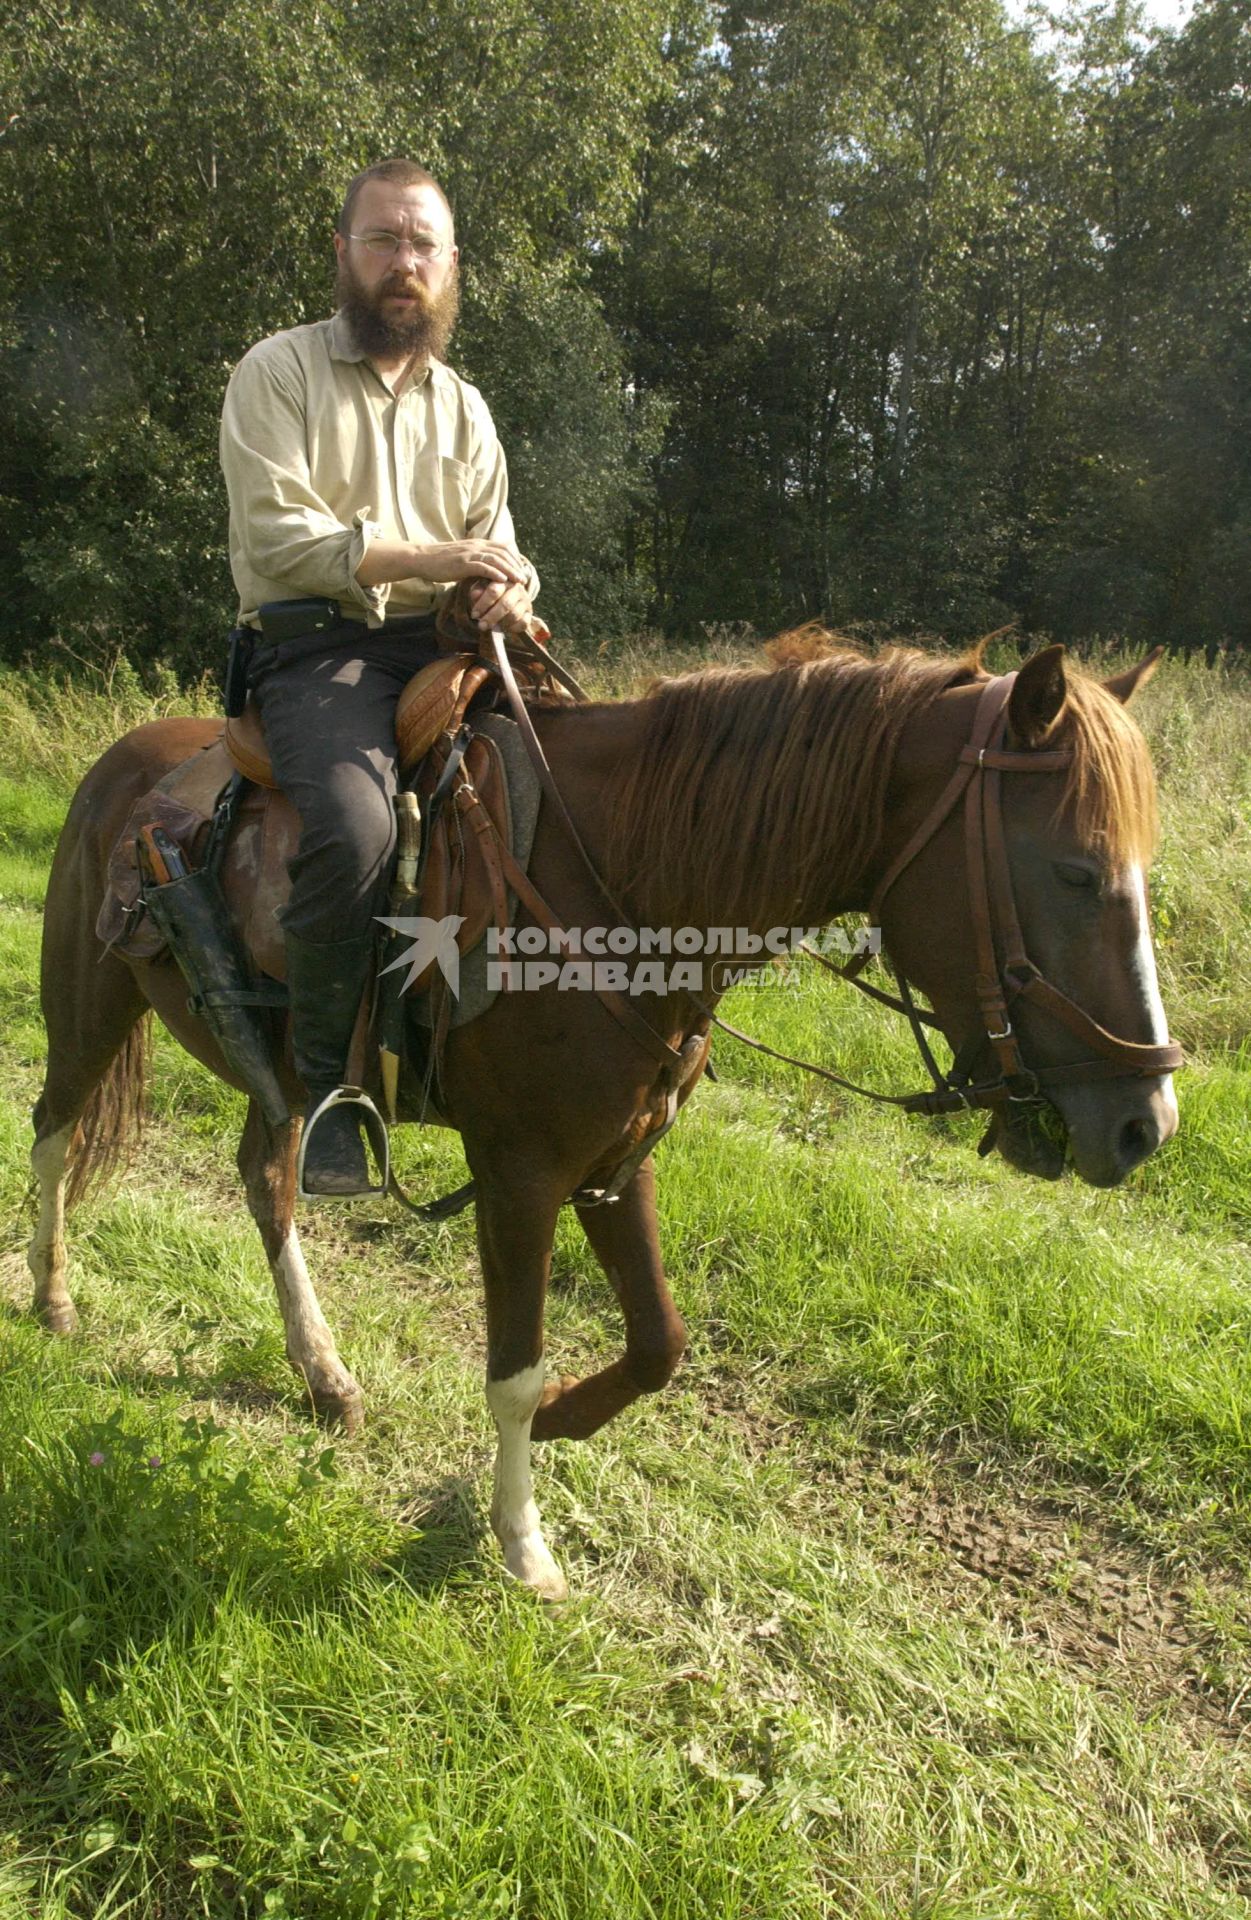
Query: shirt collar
{"type": "Point", "coordinates": [342, 345]}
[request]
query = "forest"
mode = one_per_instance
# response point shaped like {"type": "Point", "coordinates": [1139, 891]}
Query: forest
{"type": "Point", "coordinates": [911, 316]}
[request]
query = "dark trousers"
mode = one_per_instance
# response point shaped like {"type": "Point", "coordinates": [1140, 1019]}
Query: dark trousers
{"type": "Point", "coordinates": [328, 716]}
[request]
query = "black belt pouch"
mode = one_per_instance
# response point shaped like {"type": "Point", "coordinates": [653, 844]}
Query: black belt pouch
{"type": "Point", "coordinates": [280, 620]}
{"type": "Point", "coordinates": [292, 619]}
{"type": "Point", "coordinates": [239, 652]}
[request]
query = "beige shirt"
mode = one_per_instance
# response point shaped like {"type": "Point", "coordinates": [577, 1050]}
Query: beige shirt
{"type": "Point", "coordinates": [321, 457]}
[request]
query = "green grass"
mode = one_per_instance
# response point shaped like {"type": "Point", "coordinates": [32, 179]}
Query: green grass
{"type": "Point", "coordinates": [921, 1592]}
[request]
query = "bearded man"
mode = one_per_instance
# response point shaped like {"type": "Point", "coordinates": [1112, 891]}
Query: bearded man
{"type": "Point", "coordinates": [361, 470]}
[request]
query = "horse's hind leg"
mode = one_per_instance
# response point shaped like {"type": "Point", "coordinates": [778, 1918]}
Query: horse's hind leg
{"type": "Point", "coordinates": [46, 1254]}
{"type": "Point", "coordinates": [89, 1111]}
{"type": "Point", "coordinates": [624, 1238]}
{"type": "Point", "coordinates": [267, 1162]}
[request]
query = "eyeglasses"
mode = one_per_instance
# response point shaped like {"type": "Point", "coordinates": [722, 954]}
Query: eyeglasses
{"type": "Point", "coordinates": [385, 246]}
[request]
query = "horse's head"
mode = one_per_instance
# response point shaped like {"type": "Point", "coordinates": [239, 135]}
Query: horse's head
{"type": "Point", "coordinates": [1062, 885]}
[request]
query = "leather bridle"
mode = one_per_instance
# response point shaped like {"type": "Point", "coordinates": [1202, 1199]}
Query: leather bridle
{"type": "Point", "coordinates": [1004, 974]}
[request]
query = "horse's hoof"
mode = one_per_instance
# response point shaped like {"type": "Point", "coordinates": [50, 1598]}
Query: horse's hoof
{"type": "Point", "coordinates": [58, 1319]}
{"type": "Point", "coordinates": [343, 1410]}
{"type": "Point", "coordinates": [529, 1562]}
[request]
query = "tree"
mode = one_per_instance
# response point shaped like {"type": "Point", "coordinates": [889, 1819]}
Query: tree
{"type": "Point", "coordinates": [171, 184]}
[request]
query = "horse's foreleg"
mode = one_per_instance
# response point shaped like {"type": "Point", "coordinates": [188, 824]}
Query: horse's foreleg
{"type": "Point", "coordinates": [515, 1240]}
{"type": "Point", "coordinates": [46, 1256]}
{"type": "Point", "coordinates": [626, 1242]}
{"type": "Point", "coordinates": [267, 1164]}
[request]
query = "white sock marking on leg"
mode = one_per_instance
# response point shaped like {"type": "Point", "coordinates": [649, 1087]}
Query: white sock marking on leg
{"type": "Point", "coordinates": [310, 1343]}
{"type": "Point", "coordinates": [46, 1255]}
{"type": "Point", "coordinates": [514, 1515]}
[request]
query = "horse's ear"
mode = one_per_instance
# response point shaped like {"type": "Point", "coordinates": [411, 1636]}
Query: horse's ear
{"type": "Point", "coordinates": [1125, 685]}
{"type": "Point", "coordinates": [1037, 698]}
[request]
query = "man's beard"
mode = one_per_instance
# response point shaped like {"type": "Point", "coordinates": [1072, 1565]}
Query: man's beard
{"type": "Point", "coordinates": [423, 331]}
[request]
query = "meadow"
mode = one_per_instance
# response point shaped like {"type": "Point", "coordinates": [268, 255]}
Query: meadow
{"type": "Point", "coordinates": [922, 1592]}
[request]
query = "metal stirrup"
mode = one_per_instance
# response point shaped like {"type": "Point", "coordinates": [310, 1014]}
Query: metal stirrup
{"type": "Point", "coordinates": [375, 1133]}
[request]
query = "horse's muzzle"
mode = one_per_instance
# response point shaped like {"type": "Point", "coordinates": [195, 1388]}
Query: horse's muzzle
{"type": "Point", "coordinates": [1114, 1126]}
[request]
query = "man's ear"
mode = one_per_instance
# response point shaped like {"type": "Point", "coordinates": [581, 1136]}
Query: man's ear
{"type": "Point", "coordinates": [1037, 698]}
{"type": "Point", "coordinates": [1125, 685]}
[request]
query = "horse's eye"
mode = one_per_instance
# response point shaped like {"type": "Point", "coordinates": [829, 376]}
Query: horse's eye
{"type": "Point", "coordinates": [1071, 874]}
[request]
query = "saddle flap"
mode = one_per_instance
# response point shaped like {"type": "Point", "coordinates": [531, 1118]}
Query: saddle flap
{"type": "Point", "coordinates": [462, 875]}
{"type": "Point", "coordinates": [254, 874]}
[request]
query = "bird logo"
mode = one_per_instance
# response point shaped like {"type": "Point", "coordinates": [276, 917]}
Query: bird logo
{"type": "Point", "coordinates": [433, 940]}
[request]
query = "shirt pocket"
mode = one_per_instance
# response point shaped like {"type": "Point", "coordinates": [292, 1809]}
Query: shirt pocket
{"type": "Point", "coordinates": [442, 490]}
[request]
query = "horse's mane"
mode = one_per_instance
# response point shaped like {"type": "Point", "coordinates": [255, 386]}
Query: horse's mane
{"type": "Point", "coordinates": [761, 788]}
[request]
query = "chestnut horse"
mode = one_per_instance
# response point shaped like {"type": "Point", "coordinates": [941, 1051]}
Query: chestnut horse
{"type": "Point", "coordinates": [769, 796]}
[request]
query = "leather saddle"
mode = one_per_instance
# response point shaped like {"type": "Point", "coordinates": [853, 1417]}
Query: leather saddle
{"type": "Point", "coordinates": [433, 702]}
{"type": "Point", "coordinates": [462, 874]}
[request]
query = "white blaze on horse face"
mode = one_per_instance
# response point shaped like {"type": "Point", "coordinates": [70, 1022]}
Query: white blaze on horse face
{"type": "Point", "coordinates": [1142, 967]}
{"type": "Point", "coordinates": [514, 1516]}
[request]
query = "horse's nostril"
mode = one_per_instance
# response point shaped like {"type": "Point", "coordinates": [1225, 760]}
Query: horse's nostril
{"type": "Point", "coordinates": [1139, 1138]}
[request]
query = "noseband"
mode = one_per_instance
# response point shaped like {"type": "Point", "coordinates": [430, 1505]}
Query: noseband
{"type": "Point", "coordinates": [1000, 984]}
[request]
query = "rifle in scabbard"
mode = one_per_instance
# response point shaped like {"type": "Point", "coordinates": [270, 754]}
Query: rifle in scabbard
{"type": "Point", "coordinates": [188, 908]}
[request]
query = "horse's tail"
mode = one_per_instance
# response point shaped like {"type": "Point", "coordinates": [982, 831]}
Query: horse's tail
{"type": "Point", "coordinates": [112, 1121]}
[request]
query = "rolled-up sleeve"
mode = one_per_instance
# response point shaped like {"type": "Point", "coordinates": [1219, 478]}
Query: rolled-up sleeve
{"type": "Point", "coordinates": [488, 517]}
{"type": "Point", "coordinates": [281, 530]}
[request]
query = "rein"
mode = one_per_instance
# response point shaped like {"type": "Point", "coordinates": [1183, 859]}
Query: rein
{"type": "Point", "coordinates": [977, 781]}
{"type": "Point", "coordinates": [621, 1009]}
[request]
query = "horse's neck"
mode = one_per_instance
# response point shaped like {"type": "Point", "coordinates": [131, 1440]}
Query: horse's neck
{"type": "Point", "coordinates": [794, 856]}
{"type": "Point", "coordinates": [586, 748]}
{"type": "Point", "coordinates": [587, 751]}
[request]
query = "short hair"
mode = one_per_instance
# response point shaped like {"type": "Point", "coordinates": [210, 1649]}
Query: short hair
{"type": "Point", "coordinates": [401, 173]}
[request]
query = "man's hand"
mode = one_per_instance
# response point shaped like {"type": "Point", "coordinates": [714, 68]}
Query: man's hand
{"type": "Point", "coordinates": [506, 607]}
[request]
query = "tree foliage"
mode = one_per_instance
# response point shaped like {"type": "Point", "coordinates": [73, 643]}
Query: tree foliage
{"type": "Point", "coordinates": [872, 310]}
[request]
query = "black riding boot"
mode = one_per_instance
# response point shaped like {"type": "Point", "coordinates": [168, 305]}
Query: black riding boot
{"type": "Point", "coordinates": [326, 984]}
